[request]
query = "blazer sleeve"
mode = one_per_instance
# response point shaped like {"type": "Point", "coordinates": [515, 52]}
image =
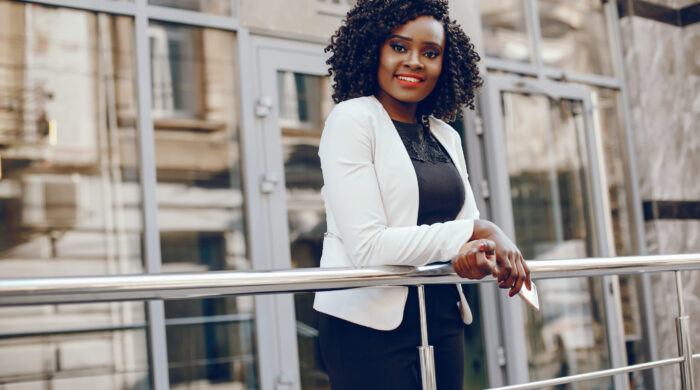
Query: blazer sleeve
{"type": "Point", "coordinates": [354, 199]}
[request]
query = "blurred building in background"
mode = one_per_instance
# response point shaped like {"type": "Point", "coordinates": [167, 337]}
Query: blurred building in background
{"type": "Point", "coordinates": [145, 136]}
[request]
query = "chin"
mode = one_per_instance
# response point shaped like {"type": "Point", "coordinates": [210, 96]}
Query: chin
{"type": "Point", "coordinates": [410, 98]}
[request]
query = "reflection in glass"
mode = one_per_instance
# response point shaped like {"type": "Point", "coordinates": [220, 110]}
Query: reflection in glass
{"type": "Point", "coordinates": [575, 36]}
{"type": "Point", "coordinates": [69, 193]}
{"type": "Point", "coordinates": [200, 200]}
{"type": "Point", "coordinates": [225, 351]}
{"type": "Point", "coordinates": [505, 30]}
{"type": "Point", "coordinates": [475, 370]}
{"type": "Point", "coordinates": [217, 7]}
{"type": "Point", "coordinates": [547, 165]}
{"type": "Point", "coordinates": [606, 105]}
{"type": "Point", "coordinates": [305, 102]}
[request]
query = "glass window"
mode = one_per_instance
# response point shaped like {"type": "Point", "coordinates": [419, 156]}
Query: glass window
{"type": "Point", "coordinates": [201, 213]}
{"type": "Point", "coordinates": [547, 164]}
{"type": "Point", "coordinates": [70, 200]}
{"type": "Point", "coordinates": [606, 104]}
{"type": "Point", "coordinates": [305, 102]}
{"type": "Point", "coordinates": [506, 35]}
{"type": "Point", "coordinates": [210, 354]}
{"type": "Point", "coordinates": [217, 7]}
{"type": "Point", "coordinates": [607, 109]}
{"type": "Point", "coordinates": [575, 36]}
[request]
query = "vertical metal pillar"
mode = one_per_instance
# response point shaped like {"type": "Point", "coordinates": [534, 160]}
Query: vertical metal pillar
{"type": "Point", "coordinates": [155, 309]}
{"type": "Point", "coordinates": [425, 351]}
{"type": "Point", "coordinates": [685, 348]}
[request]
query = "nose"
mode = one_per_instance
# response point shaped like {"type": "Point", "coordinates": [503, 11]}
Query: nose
{"type": "Point", "coordinates": [413, 60]}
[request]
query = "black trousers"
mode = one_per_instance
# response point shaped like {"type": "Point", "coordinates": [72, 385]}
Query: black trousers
{"type": "Point", "coordinates": [357, 357]}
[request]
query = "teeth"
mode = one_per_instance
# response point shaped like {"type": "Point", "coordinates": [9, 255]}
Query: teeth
{"type": "Point", "coordinates": [409, 79]}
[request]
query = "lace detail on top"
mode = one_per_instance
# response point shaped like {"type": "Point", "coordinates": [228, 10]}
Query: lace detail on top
{"type": "Point", "coordinates": [420, 143]}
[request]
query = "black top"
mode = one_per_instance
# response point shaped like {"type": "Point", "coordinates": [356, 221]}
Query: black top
{"type": "Point", "coordinates": [440, 187]}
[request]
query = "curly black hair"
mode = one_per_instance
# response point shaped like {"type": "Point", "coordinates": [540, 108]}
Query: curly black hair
{"type": "Point", "coordinates": [357, 44]}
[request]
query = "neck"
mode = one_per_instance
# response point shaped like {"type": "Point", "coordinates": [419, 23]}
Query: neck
{"type": "Point", "coordinates": [398, 110]}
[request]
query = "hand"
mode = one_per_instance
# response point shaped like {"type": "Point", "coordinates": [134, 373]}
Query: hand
{"type": "Point", "coordinates": [512, 269]}
{"type": "Point", "coordinates": [476, 260]}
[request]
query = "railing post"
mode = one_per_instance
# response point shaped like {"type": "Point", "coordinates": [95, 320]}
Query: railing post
{"type": "Point", "coordinates": [684, 343]}
{"type": "Point", "coordinates": [425, 351]}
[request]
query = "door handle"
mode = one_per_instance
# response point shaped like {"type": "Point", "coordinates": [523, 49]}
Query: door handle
{"type": "Point", "coordinates": [263, 106]}
{"type": "Point", "coordinates": [285, 381]}
{"type": "Point", "coordinates": [269, 182]}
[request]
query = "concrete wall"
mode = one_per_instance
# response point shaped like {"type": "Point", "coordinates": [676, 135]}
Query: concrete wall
{"type": "Point", "coordinates": [662, 68]}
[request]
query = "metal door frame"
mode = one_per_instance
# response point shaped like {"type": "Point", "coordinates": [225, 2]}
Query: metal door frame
{"type": "Point", "coordinates": [510, 336]}
{"type": "Point", "coordinates": [269, 233]}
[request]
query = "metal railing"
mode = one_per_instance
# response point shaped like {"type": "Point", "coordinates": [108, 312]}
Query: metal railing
{"type": "Point", "coordinates": [34, 291]}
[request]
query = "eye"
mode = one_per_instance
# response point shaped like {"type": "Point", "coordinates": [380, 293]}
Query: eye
{"type": "Point", "coordinates": [397, 47]}
{"type": "Point", "coordinates": [432, 54]}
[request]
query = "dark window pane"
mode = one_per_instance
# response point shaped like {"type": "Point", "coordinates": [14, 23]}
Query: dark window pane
{"type": "Point", "coordinates": [70, 200]}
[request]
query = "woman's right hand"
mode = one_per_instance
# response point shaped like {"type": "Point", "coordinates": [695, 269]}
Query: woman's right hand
{"type": "Point", "coordinates": [476, 260]}
{"type": "Point", "coordinates": [513, 271]}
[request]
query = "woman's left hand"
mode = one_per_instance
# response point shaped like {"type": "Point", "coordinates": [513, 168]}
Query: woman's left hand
{"type": "Point", "coordinates": [513, 272]}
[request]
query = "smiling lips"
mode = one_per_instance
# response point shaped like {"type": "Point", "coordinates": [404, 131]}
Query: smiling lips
{"type": "Point", "coordinates": [409, 80]}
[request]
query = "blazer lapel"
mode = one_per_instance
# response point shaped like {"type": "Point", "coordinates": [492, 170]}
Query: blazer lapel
{"type": "Point", "coordinates": [407, 200]}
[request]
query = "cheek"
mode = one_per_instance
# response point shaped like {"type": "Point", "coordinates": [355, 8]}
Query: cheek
{"type": "Point", "coordinates": [437, 70]}
{"type": "Point", "coordinates": [387, 64]}
{"type": "Point", "coordinates": [434, 75]}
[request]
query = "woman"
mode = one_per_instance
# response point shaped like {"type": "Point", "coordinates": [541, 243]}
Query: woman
{"type": "Point", "coordinates": [396, 193]}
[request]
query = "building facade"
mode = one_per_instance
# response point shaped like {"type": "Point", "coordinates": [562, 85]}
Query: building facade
{"type": "Point", "coordinates": [148, 136]}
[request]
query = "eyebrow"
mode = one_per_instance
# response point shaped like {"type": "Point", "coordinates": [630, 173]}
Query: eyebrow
{"type": "Point", "coordinates": [411, 40]}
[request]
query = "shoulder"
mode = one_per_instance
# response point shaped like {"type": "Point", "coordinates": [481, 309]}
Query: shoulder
{"type": "Point", "coordinates": [358, 114]}
{"type": "Point", "coordinates": [351, 123]}
{"type": "Point", "coordinates": [358, 109]}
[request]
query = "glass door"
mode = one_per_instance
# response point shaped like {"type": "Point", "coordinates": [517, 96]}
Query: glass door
{"type": "Point", "coordinates": [294, 101]}
{"type": "Point", "coordinates": [543, 171]}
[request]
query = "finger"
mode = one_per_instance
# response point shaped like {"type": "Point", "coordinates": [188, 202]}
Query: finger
{"type": "Point", "coordinates": [478, 266]}
{"type": "Point", "coordinates": [488, 265]}
{"type": "Point", "coordinates": [471, 252]}
{"type": "Point", "coordinates": [510, 282]}
{"type": "Point", "coordinates": [528, 282]}
{"type": "Point", "coordinates": [521, 278]}
{"type": "Point", "coordinates": [505, 269]}
{"type": "Point", "coordinates": [486, 245]}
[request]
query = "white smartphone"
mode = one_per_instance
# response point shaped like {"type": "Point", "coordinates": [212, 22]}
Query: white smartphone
{"type": "Point", "coordinates": [530, 296]}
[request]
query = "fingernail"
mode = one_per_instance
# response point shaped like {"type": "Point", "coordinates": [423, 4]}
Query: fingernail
{"type": "Point", "coordinates": [482, 246]}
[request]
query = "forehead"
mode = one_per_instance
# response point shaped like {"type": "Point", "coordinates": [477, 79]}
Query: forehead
{"type": "Point", "coordinates": [422, 29]}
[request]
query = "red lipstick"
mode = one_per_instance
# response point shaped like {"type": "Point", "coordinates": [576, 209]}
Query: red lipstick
{"type": "Point", "coordinates": [408, 80]}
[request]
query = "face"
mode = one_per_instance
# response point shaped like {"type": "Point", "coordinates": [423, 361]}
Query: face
{"type": "Point", "coordinates": [411, 61]}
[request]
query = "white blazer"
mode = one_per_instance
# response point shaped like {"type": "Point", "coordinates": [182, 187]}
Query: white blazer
{"type": "Point", "coordinates": [371, 196]}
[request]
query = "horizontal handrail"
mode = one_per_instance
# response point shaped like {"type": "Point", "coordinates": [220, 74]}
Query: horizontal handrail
{"type": "Point", "coordinates": [592, 375]}
{"type": "Point", "coordinates": [30, 291]}
{"type": "Point", "coordinates": [25, 291]}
